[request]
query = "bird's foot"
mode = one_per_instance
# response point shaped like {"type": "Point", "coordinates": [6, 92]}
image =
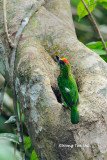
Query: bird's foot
{"type": "Point", "coordinates": [64, 106]}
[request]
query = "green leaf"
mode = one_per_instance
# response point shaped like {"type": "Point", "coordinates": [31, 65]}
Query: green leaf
{"type": "Point", "coordinates": [104, 4]}
{"type": "Point", "coordinates": [22, 118]}
{"type": "Point", "coordinates": [98, 48]}
{"type": "Point", "coordinates": [99, 51]}
{"type": "Point", "coordinates": [11, 119]}
{"type": "Point", "coordinates": [100, 1]}
{"type": "Point", "coordinates": [7, 151]}
{"type": "Point", "coordinates": [74, 2]}
{"type": "Point", "coordinates": [95, 45]}
{"type": "Point", "coordinates": [34, 156]}
{"type": "Point", "coordinates": [81, 10]}
{"type": "Point", "coordinates": [27, 143]}
{"type": "Point", "coordinates": [104, 58]}
{"type": "Point", "coordinates": [10, 137]}
{"type": "Point", "coordinates": [18, 109]}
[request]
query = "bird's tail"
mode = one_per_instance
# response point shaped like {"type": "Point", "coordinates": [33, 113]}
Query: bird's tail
{"type": "Point", "coordinates": [74, 115]}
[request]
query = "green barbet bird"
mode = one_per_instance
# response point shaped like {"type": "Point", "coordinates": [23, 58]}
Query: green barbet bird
{"type": "Point", "coordinates": [68, 88]}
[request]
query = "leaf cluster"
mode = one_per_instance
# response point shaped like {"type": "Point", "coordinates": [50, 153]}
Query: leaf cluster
{"type": "Point", "coordinates": [81, 10]}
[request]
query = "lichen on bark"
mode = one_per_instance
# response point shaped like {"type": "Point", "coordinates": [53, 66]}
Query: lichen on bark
{"type": "Point", "coordinates": [51, 32]}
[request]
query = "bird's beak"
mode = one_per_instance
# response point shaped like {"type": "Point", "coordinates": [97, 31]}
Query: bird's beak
{"type": "Point", "coordinates": [58, 59]}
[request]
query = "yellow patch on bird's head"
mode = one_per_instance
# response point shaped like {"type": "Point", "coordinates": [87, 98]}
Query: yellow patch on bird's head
{"type": "Point", "coordinates": [65, 60]}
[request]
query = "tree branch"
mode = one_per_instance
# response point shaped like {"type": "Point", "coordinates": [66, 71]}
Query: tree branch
{"type": "Point", "coordinates": [19, 130]}
{"type": "Point", "coordinates": [4, 64]}
{"type": "Point", "coordinates": [95, 25]}
{"type": "Point", "coordinates": [11, 44]}
{"type": "Point", "coordinates": [47, 123]}
{"type": "Point", "coordinates": [17, 37]}
{"type": "Point", "coordinates": [12, 62]}
{"type": "Point", "coordinates": [2, 94]}
{"type": "Point", "coordinates": [12, 75]}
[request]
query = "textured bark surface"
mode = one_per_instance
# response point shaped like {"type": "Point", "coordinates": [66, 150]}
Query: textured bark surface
{"type": "Point", "coordinates": [51, 32]}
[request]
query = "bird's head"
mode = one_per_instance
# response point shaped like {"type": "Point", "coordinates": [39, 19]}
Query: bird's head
{"type": "Point", "coordinates": [64, 65]}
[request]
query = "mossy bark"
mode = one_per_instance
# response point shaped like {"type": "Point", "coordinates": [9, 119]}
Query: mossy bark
{"type": "Point", "coordinates": [51, 32]}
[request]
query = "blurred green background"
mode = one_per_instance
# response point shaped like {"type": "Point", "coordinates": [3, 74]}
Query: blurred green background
{"type": "Point", "coordinates": [84, 28]}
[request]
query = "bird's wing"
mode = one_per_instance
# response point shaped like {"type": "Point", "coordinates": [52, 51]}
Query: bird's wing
{"type": "Point", "coordinates": [68, 98]}
{"type": "Point", "coordinates": [67, 95]}
{"type": "Point", "coordinates": [66, 101]}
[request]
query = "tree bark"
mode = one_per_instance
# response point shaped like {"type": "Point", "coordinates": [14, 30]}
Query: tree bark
{"type": "Point", "coordinates": [51, 32]}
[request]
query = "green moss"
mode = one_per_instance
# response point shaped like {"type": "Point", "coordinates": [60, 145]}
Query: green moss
{"type": "Point", "coordinates": [34, 22]}
{"type": "Point", "coordinates": [54, 50]}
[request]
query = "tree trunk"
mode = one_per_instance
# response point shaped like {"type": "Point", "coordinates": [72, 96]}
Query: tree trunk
{"type": "Point", "coordinates": [51, 32]}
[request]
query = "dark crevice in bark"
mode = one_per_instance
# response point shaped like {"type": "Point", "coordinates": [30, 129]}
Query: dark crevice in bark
{"type": "Point", "coordinates": [57, 94]}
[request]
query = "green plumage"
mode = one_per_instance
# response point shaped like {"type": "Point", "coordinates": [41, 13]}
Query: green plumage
{"type": "Point", "coordinates": [68, 88]}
